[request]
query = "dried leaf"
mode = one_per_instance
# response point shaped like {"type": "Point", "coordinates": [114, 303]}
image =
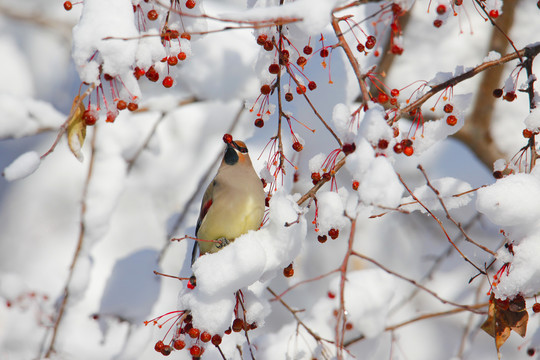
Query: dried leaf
{"type": "Point", "coordinates": [76, 129]}
{"type": "Point", "coordinates": [504, 316]}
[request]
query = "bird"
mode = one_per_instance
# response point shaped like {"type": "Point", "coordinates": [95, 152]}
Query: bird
{"type": "Point", "coordinates": [233, 203]}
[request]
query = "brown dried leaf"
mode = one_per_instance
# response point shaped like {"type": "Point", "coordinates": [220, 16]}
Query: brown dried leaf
{"type": "Point", "coordinates": [76, 129]}
{"type": "Point", "coordinates": [504, 316]}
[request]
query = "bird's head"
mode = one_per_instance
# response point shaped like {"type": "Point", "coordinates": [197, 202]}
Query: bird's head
{"type": "Point", "coordinates": [236, 153]}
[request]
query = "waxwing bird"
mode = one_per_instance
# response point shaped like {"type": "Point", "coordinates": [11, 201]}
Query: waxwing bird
{"type": "Point", "coordinates": [233, 203]}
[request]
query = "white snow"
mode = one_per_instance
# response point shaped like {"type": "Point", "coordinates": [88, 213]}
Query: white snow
{"type": "Point", "coordinates": [22, 166]}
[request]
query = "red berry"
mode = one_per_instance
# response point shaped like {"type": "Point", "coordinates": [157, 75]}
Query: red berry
{"type": "Point", "coordinates": [333, 233]}
{"type": "Point", "coordinates": [312, 85]}
{"type": "Point", "coordinates": [111, 116]}
{"type": "Point", "coordinates": [195, 351]}
{"type": "Point", "coordinates": [179, 344]}
{"type": "Point", "coordinates": [186, 36]}
{"type": "Point", "coordinates": [181, 56]}
{"type": "Point", "coordinates": [348, 326]}
{"type": "Point", "coordinates": [448, 108]}
{"type": "Point", "coordinates": [228, 331]}
{"type": "Point", "coordinates": [527, 133]}
{"type": "Point", "coordinates": [349, 148]}
{"type": "Point", "coordinates": [172, 60]}
{"type": "Point", "coordinates": [308, 50]}
{"type": "Point", "coordinates": [238, 325]}
{"type": "Point", "coordinates": [441, 9]}
{"type": "Point", "coordinates": [458, 2]}
{"type": "Point", "coordinates": [437, 23]}
{"type": "Point", "coordinates": [206, 337]}
{"type": "Point", "coordinates": [89, 117]}
{"type": "Point", "coordinates": [408, 150]}
{"type": "Point", "coordinates": [324, 53]}
{"type": "Point", "coordinates": [289, 97]}
{"type": "Point", "coordinates": [152, 15]}
{"type": "Point", "coordinates": [536, 307]}
{"type": "Point", "coordinates": [355, 185]}
{"type": "Point", "coordinates": [273, 69]}
{"type": "Point", "coordinates": [152, 74]}
{"type": "Point", "coordinates": [394, 92]}
{"type": "Point", "coordinates": [510, 96]}
{"type": "Point", "coordinates": [382, 98]}
{"type": "Point", "coordinates": [451, 120]}
{"type": "Point", "coordinates": [265, 89]}
{"type": "Point", "coordinates": [259, 122]}
{"type": "Point", "coordinates": [360, 47]}
{"type": "Point", "coordinates": [190, 4]}
{"type": "Point", "coordinates": [132, 106]}
{"type": "Point", "coordinates": [284, 57]}
{"type": "Point", "coordinates": [321, 238]}
{"type": "Point", "coordinates": [494, 14]}
{"type": "Point", "coordinates": [287, 272]}
{"type": "Point", "coordinates": [326, 176]}
{"type": "Point", "coordinates": [498, 174]}
{"type": "Point", "coordinates": [227, 139]}
{"type": "Point", "coordinates": [166, 351]}
{"type": "Point", "coordinates": [297, 146]}
{"type": "Point", "coordinates": [396, 50]}
{"type": "Point", "coordinates": [268, 45]}
{"type": "Point", "coordinates": [300, 89]}
{"type": "Point", "coordinates": [498, 93]}
{"type": "Point", "coordinates": [168, 81]}
{"type": "Point", "coordinates": [138, 72]}
{"type": "Point", "coordinates": [216, 340]}
{"type": "Point", "coordinates": [382, 144]}
{"type": "Point", "coordinates": [159, 346]}
{"type": "Point", "coordinates": [68, 5]}
{"type": "Point", "coordinates": [194, 333]}
{"type": "Point", "coordinates": [393, 101]}
{"type": "Point", "coordinates": [316, 177]}
{"type": "Point", "coordinates": [398, 149]}
{"type": "Point", "coordinates": [261, 39]}
{"type": "Point", "coordinates": [331, 295]}
{"type": "Point", "coordinates": [301, 61]}
{"type": "Point", "coordinates": [121, 105]}
{"type": "Point", "coordinates": [370, 42]}
{"type": "Point", "coordinates": [406, 142]}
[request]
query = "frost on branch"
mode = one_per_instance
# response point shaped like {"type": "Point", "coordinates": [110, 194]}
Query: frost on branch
{"type": "Point", "coordinates": [252, 259]}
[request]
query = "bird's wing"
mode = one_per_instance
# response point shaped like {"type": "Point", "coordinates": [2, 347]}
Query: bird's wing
{"type": "Point", "coordinates": [205, 205]}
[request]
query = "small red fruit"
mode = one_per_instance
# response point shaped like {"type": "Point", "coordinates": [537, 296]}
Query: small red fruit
{"type": "Point", "coordinates": [312, 85]}
{"type": "Point", "coordinates": [308, 50]}
{"type": "Point", "coordinates": [383, 144]}
{"type": "Point", "coordinates": [321, 238]}
{"type": "Point", "coordinates": [437, 23]}
{"type": "Point", "coordinates": [289, 97]}
{"type": "Point", "coordinates": [448, 108]}
{"type": "Point", "coordinates": [527, 133]}
{"type": "Point", "coordinates": [194, 333]}
{"type": "Point", "coordinates": [498, 93]}
{"type": "Point", "coordinates": [315, 177]}
{"type": "Point", "coordinates": [68, 5]}
{"type": "Point", "coordinates": [394, 92]}
{"type": "Point", "coordinates": [138, 72]}
{"type": "Point", "coordinates": [195, 351]}
{"type": "Point", "coordinates": [181, 56]}
{"type": "Point", "coordinates": [159, 346]}
{"type": "Point", "coordinates": [216, 340]}
{"type": "Point", "coordinates": [121, 105]}
{"type": "Point", "coordinates": [398, 149]}
{"type": "Point", "coordinates": [331, 295]}
{"type": "Point", "coordinates": [268, 45]}
{"type": "Point", "coordinates": [172, 60]}
{"type": "Point", "coordinates": [179, 344]}
{"type": "Point", "coordinates": [355, 185]}
{"type": "Point", "coordinates": [273, 69]}
{"type": "Point", "coordinates": [382, 98]}
{"type": "Point", "coordinates": [451, 120]}
{"type": "Point", "coordinates": [360, 47]}
{"type": "Point", "coordinates": [441, 9]}
{"type": "Point", "coordinates": [370, 42]}
{"type": "Point", "coordinates": [297, 146]}
{"type": "Point", "coordinates": [186, 36]}
{"type": "Point", "coordinates": [89, 117]}
{"type": "Point", "coordinates": [166, 351]}
{"type": "Point", "coordinates": [324, 53]}
{"type": "Point", "coordinates": [348, 148]}
{"type": "Point", "coordinates": [206, 337]}
{"type": "Point", "coordinates": [190, 4]}
{"type": "Point", "coordinates": [168, 81]}
{"type": "Point", "coordinates": [259, 122]}
{"type": "Point", "coordinates": [132, 106]}
{"type": "Point", "coordinates": [300, 89]}
{"type": "Point", "coordinates": [301, 61]}
{"type": "Point", "coordinates": [265, 89]}
{"type": "Point", "coordinates": [536, 307]}
{"type": "Point", "coordinates": [238, 325]}
{"type": "Point", "coordinates": [333, 233]}
{"type": "Point", "coordinates": [261, 39]}
{"type": "Point", "coordinates": [287, 272]}
{"type": "Point", "coordinates": [227, 139]}
{"type": "Point", "coordinates": [510, 96]}
{"type": "Point", "coordinates": [152, 15]}
{"type": "Point", "coordinates": [494, 14]}
{"type": "Point", "coordinates": [408, 150]}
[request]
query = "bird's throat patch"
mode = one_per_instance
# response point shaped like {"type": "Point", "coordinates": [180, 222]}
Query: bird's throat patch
{"type": "Point", "coordinates": [231, 157]}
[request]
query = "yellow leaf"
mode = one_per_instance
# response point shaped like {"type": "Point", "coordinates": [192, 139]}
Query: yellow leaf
{"type": "Point", "coordinates": [76, 129]}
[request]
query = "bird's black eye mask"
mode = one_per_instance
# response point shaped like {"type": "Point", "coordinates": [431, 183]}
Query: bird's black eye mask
{"type": "Point", "coordinates": [242, 149]}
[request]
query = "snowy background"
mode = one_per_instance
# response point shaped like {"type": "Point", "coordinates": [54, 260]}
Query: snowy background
{"type": "Point", "coordinates": [142, 176]}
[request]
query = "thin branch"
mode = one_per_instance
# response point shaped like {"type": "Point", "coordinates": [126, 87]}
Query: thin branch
{"type": "Point", "coordinates": [51, 350]}
{"type": "Point", "coordinates": [470, 308]}
{"type": "Point", "coordinates": [440, 225]}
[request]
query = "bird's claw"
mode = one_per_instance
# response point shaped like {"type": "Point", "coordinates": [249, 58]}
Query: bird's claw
{"type": "Point", "coordinates": [222, 242]}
